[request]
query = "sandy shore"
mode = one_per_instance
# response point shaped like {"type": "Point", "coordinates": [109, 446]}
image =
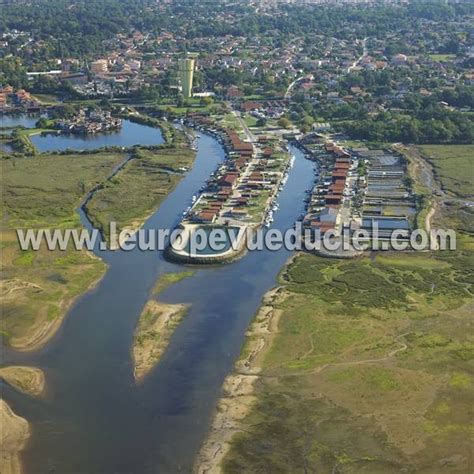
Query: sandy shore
{"type": "Point", "coordinates": [238, 390]}
{"type": "Point", "coordinates": [29, 380]}
{"type": "Point", "coordinates": [14, 433]}
{"type": "Point", "coordinates": [130, 231]}
{"type": "Point", "coordinates": [154, 329]}
{"type": "Point", "coordinates": [40, 335]}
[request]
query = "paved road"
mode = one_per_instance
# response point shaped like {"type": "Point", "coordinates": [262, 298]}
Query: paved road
{"type": "Point", "coordinates": [293, 84]}
{"type": "Point", "coordinates": [250, 136]}
{"type": "Point", "coordinates": [358, 60]}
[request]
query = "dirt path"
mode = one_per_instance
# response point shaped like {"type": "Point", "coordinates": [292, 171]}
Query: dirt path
{"type": "Point", "coordinates": [317, 370]}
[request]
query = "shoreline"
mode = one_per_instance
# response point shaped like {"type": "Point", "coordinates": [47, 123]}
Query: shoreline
{"type": "Point", "coordinates": [228, 256]}
{"type": "Point", "coordinates": [238, 390]}
{"type": "Point", "coordinates": [154, 329]}
{"type": "Point", "coordinates": [28, 380]}
{"type": "Point", "coordinates": [231, 254]}
{"type": "Point", "coordinates": [13, 437]}
{"type": "Point", "coordinates": [43, 335]}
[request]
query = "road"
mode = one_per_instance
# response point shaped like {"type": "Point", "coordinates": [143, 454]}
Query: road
{"type": "Point", "coordinates": [358, 60]}
{"type": "Point", "coordinates": [250, 136]}
{"type": "Point", "coordinates": [293, 84]}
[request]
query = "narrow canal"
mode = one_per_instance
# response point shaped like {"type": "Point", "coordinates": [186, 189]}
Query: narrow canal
{"type": "Point", "coordinates": [95, 419]}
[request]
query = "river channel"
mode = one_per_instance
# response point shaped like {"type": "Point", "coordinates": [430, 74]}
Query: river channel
{"type": "Point", "coordinates": [95, 419]}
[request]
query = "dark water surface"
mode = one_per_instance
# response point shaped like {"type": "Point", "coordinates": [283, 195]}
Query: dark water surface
{"type": "Point", "coordinates": [95, 419]}
{"type": "Point", "coordinates": [130, 134]}
{"type": "Point", "coordinates": [15, 120]}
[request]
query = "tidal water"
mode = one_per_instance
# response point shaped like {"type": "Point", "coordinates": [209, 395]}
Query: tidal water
{"type": "Point", "coordinates": [95, 420]}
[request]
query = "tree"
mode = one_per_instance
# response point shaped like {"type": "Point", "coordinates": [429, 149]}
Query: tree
{"type": "Point", "coordinates": [283, 122]}
{"type": "Point", "coordinates": [207, 101]}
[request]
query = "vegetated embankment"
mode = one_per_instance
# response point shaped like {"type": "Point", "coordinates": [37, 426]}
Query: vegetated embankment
{"type": "Point", "coordinates": [367, 369]}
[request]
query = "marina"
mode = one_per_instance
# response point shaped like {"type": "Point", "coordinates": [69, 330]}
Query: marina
{"type": "Point", "coordinates": [356, 189]}
{"type": "Point", "coordinates": [241, 193]}
{"type": "Point", "coordinates": [166, 418]}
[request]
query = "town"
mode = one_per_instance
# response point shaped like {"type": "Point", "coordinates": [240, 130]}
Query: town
{"type": "Point", "coordinates": [125, 124]}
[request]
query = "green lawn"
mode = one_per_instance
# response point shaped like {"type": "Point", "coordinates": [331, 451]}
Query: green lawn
{"type": "Point", "coordinates": [442, 57]}
{"type": "Point", "coordinates": [250, 121]}
{"type": "Point", "coordinates": [231, 121]}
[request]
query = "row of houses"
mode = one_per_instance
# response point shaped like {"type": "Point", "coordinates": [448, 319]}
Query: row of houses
{"type": "Point", "coordinates": [222, 183]}
{"type": "Point", "coordinates": [19, 99]}
{"type": "Point", "coordinates": [239, 189]}
{"type": "Point", "coordinates": [331, 190]}
{"type": "Point", "coordinates": [361, 190]}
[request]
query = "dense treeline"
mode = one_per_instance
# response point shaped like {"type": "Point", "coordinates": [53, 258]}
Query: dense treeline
{"type": "Point", "coordinates": [74, 29]}
{"type": "Point", "coordinates": [79, 28]}
{"type": "Point", "coordinates": [385, 127]}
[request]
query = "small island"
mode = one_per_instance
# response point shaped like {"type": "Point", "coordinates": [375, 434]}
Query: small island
{"type": "Point", "coordinates": [28, 380]}
{"type": "Point", "coordinates": [156, 325]}
{"type": "Point", "coordinates": [89, 122]}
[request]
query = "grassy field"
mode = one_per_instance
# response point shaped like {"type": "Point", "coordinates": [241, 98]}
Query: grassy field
{"type": "Point", "coordinates": [231, 121]}
{"type": "Point", "coordinates": [442, 57]}
{"type": "Point", "coordinates": [47, 99]}
{"type": "Point", "coordinates": [250, 120]}
{"type": "Point", "coordinates": [369, 370]}
{"type": "Point", "coordinates": [453, 165]}
{"type": "Point", "coordinates": [60, 183]}
{"type": "Point", "coordinates": [44, 191]}
{"type": "Point", "coordinates": [38, 287]}
{"type": "Point", "coordinates": [139, 187]}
